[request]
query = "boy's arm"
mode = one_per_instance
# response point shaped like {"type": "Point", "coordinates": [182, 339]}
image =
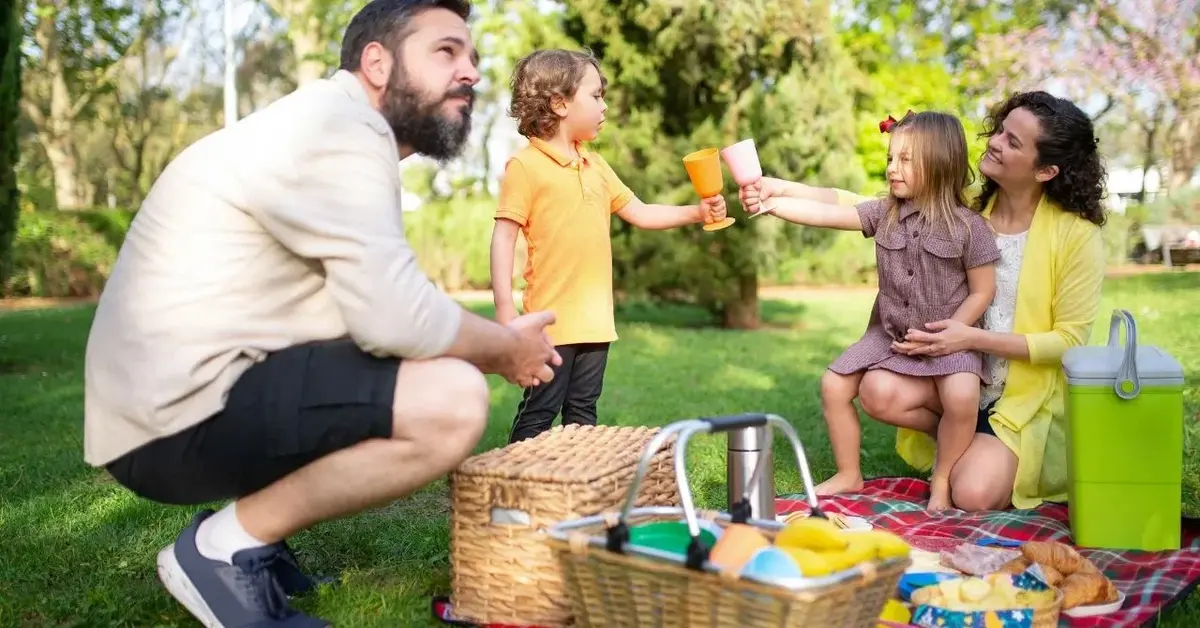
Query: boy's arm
{"type": "Point", "coordinates": [645, 216]}
{"type": "Point", "coordinates": [815, 213]}
{"type": "Point", "coordinates": [512, 213]}
{"type": "Point", "coordinates": [504, 240]}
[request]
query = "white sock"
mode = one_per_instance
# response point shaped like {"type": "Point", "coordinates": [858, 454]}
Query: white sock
{"type": "Point", "coordinates": [221, 536]}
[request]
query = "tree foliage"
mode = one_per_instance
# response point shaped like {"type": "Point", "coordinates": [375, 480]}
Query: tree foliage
{"type": "Point", "coordinates": [685, 76]}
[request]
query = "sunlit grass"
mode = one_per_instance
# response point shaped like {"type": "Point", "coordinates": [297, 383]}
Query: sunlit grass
{"type": "Point", "coordinates": [76, 549]}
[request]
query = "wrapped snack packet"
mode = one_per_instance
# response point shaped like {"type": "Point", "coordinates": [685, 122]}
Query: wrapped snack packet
{"type": "Point", "coordinates": [977, 560]}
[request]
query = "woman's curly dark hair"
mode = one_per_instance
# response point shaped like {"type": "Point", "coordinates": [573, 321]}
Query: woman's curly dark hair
{"type": "Point", "coordinates": [537, 79]}
{"type": "Point", "coordinates": [1068, 140]}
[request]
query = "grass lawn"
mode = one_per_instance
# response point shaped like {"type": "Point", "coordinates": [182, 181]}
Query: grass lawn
{"type": "Point", "coordinates": [78, 550]}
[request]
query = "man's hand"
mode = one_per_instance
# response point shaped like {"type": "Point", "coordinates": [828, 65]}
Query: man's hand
{"type": "Point", "coordinates": [712, 209]}
{"type": "Point", "coordinates": [530, 364]}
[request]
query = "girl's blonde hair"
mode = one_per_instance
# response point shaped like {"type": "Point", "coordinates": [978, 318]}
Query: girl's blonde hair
{"type": "Point", "coordinates": [937, 147]}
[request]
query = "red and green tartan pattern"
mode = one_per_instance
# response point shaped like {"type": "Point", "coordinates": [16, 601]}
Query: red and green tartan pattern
{"type": "Point", "coordinates": [1151, 581]}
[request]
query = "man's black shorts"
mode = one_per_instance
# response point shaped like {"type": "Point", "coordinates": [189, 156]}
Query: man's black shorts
{"type": "Point", "coordinates": [299, 404]}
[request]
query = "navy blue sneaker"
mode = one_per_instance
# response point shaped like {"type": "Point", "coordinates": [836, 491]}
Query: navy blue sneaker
{"type": "Point", "coordinates": [287, 571]}
{"type": "Point", "coordinates": [246, 594]}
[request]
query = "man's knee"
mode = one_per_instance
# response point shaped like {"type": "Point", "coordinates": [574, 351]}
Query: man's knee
{"type": "Point", "coordinates": [442, 402]}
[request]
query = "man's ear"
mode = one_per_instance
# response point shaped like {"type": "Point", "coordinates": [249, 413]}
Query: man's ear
{"type": "Point", "coordinates": [1046, 173]}
{"type": "Point", "coordinates": [376, 65]}
{"type": "Point", "coordinates": [558, 105]}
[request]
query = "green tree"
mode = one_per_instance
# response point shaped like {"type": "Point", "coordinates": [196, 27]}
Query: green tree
{"type": "Point", "coordinates": [10, 96]}
{"type": "Point", "coordinates": [684, 76]}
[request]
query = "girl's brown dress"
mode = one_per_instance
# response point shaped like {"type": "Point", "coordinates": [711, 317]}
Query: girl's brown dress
{"type": "Point", "coordinates": [922, 278]}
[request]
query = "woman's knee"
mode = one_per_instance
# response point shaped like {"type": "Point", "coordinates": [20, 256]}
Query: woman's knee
{"type": "Point", "coordinates": [443, 402]}
{"type": "Point", "coordinates": [983, 478]}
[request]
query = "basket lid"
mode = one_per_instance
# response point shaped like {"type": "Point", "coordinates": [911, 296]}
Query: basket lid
{"type": "Point", "coordinates": [572, 453]}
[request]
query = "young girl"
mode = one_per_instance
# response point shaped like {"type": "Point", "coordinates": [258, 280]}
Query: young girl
{"type": "Point", "coordinates": [561, 196]}
{"type": "Point", "coordinates": [936, 261]}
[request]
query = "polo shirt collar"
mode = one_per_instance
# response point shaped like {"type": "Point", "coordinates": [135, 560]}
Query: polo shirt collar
{"type": "Point", "coordinates": [557, 155]}
{"type": "Point", "coordinates": [907, 208]}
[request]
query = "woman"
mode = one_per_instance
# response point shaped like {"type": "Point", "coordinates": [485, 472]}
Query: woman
{"type": "Point", "coordinates": [1042, 191]}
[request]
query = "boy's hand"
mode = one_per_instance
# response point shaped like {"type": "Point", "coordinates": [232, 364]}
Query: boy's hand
{"type": "Point", "coordinates": [712, 209]}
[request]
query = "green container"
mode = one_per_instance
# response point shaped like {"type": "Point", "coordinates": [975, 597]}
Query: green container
{"type": "Point", "coordinates": [1124, 420]}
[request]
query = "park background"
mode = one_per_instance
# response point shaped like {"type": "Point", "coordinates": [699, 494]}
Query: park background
{"type": "Point", "coordinates": [96, 97]}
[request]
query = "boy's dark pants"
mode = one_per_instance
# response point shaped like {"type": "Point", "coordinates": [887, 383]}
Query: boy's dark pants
{"type": "Point", "coordinates": [574, 390]}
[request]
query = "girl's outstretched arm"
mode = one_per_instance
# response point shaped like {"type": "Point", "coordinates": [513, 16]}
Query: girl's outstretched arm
{"type": "Point", "coordinates": [814, 213]}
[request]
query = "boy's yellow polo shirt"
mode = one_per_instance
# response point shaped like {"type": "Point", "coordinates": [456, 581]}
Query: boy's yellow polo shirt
{"type": "Point", "coordinates": [563, 206]}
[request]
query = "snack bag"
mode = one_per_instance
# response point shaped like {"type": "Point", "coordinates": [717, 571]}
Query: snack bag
{"type": "Point", "coordinates": [976, 560]}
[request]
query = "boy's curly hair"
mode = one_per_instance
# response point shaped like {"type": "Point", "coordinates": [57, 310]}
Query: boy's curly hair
{"type": "Point", "coordinates": [540, 77]}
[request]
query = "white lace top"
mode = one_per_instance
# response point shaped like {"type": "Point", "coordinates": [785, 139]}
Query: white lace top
{"type": "Point", "coordinates": [999, 316]}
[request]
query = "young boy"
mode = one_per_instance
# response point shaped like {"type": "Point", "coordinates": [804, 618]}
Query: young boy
{"type": "Point", "coordinates": [560, 196]}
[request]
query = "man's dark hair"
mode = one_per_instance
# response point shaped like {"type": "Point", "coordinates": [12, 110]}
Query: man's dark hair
{"type": "Point", "coordinates": [388, 22]}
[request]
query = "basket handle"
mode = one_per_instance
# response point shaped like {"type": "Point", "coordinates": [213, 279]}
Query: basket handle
{"type": "Point", "coordinates": [1127, 373]}
{"type": "Point", "coordinates": [697, 553]}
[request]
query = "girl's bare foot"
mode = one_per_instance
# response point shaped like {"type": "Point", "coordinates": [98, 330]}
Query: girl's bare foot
{"type": "Point", "coordinates": [939, 494]}
{"type": "Point", "coordinates": [841, 482]}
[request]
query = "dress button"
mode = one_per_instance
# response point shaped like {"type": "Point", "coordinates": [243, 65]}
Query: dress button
{"type": "Point", "coordinates": [916, 233]}
{"type": "Point", "coordinates": [906, 304]}
{"type": "Point", "coordinates": [910, 272]}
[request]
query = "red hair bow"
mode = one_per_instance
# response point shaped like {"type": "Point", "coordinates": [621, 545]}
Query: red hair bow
{"type": "Point", "coordinates": [886, 125]}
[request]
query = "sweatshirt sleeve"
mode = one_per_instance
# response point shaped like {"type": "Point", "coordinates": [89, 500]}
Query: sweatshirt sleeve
{"type": "Point", "coordinates": [342, 210]}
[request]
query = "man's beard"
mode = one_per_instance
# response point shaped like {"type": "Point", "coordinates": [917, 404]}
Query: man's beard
{"type": "Point", "coordinates": [419, 123]}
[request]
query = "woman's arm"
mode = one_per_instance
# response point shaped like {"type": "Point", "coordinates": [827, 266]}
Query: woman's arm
{"type": "Point", "coordinates": [1075, 304]}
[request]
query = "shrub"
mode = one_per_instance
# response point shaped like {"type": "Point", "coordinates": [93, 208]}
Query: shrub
{"type": "Point", "coordinates": [64, 254]}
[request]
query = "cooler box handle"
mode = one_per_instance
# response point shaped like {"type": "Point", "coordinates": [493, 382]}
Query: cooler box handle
{"type": "Point", "coordinates": [1127, 384]}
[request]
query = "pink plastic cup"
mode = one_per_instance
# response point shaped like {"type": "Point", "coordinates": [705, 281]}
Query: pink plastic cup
{"type": "Point", "coordinates": [742, 159]}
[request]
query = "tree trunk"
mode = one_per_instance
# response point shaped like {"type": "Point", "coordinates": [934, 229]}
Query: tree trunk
{"type": "Point", "coordinates": [742, 312]}
{"type": "Point", "coordinates": [307, 46]}
{"type": "Point", "coordinates": [55, 130]}
{"type": "Point", "coordinates": [1185, 147]}
{"type": "Point", "coordinates": [64, 161]}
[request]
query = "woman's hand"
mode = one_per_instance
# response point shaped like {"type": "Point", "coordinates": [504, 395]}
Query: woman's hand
{"type": "Point", "coordinates": [947, 336]}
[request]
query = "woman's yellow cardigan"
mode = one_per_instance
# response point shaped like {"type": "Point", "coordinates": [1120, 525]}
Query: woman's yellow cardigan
{"type": "Point", "coordinates": [1058, 297]}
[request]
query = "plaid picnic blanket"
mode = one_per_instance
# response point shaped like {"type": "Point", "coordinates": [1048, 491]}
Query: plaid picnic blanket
{"type": "Point", "coordinates": [1151, 581]}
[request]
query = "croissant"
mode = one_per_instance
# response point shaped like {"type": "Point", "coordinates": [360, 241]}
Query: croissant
{"type": "Point", "coordinates": [1085, 588]}
{"type": "Point", "coordinates": [1061, 557]}
{"type": "Point", "coordinates": [1053, 576]}
{"type": "Point", "coordinates": [1015, 566]}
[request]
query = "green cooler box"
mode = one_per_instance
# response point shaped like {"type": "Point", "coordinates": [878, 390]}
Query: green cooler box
{"type": "Point", "coordinates": [1124, 421]}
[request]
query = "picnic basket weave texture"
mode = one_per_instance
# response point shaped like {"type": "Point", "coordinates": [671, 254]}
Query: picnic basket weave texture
{"type": "Point", "coordinates": [502, 570]}
{"type": "Point", "coordinates": [614, 589]}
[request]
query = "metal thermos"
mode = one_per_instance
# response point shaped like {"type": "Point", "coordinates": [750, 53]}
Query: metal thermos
{"type": "Point", "coordinates": [747, 448]}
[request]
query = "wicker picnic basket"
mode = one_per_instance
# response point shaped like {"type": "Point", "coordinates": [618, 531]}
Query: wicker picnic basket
{"type": "Point", "coordinates": [503, 500]}
{"type": "Point", "coordinates": [614, 583]}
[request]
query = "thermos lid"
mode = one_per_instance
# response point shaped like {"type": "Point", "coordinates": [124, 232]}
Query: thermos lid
{"type": "Point", "coordinates": [747, 439]}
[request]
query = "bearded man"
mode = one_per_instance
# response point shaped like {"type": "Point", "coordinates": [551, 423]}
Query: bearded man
{"type": "Point", "coordinates": [266, 336]}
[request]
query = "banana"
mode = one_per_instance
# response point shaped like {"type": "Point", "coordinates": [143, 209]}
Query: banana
{"type": "Point", "coordinates": [812, 533]}
{"type": "Point", "coordinates": [812, 564]}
